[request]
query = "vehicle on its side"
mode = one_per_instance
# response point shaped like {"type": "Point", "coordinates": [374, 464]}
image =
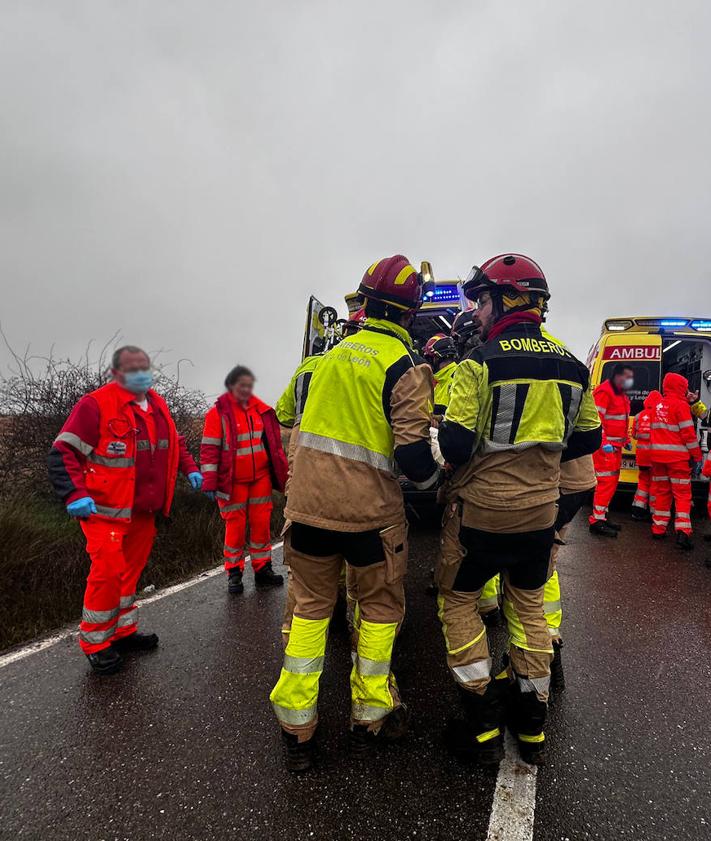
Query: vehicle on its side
{"type": "Point", "coordinates": [653, 346]}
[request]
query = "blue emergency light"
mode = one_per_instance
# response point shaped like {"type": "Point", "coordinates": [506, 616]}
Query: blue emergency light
{"type": "Point", "coordinates": [445, 293]}
{"type": "Point", "coordinates": [668, 322]}
{"type": "Point", "coordinates": [701, 325]}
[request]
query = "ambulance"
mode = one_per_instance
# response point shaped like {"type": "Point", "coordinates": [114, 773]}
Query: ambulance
{"type": "Point", "coordinates": [653, 346]}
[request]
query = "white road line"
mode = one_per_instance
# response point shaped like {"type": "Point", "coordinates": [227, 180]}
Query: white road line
{"type": "Point", "coordinates": [71, 630]}
{"type": "Point", "coordinates": [514, 806]}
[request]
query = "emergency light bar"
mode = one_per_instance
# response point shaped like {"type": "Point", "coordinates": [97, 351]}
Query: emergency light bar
{"type": "Point", "coordinates": [618, 325]}
{"type": "Point", "coordinates": [445, 293]}
{"type": "Point", "coordinates": [662, 322]}
{"type": "Point", "coordinates": [703, 326]}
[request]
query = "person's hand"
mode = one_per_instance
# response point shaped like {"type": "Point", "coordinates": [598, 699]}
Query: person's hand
{"type": "Point", "coordinates": [210, 495]}
{"type": "Point", "coordinates": [195, 479]}
{"type": "Point", "coordinates": [608, 448]}
{"type": "Point", "coordinates": [82, 508]}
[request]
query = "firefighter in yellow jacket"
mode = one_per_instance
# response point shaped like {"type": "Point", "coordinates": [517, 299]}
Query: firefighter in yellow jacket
{"type": "Point", "coordinates": [367, 409]}
{"type": "Point", "coordinates": [517, 403]}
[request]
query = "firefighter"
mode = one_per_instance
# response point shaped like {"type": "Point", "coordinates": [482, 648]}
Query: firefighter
{"type": "Point", "coordinates": [674, 444]}
{"type": "Point", "coordinates": [440, 352]}
{"type": "Point", "coordinates": [516, 404]}
{"type": "Point", "coordinates": [114, 465]}
{"type": "Point", "coordinates": [242, 459]}
{"type": "Point", "coordinates": [642, 433]}
{"type": "Point", "coordinates": [613, 405]}
{"type": "Point", "coordinates": [367, 409]}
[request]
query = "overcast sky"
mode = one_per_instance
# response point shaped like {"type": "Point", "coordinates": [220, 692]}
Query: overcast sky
{"type": "Point", "coordinates": [189, 172]}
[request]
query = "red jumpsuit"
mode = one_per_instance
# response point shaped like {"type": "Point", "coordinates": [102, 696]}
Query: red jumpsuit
{"type": "Point", "coordinates": [249, 500]}
{"type": "Point", "coordinates": [642, 433]}
{"type": "Point", "coordinates": [614, 410]}
{"type": "Point", "coordinates": [126, 459]}
{"type": "Point", "coordinates": [674, 444]}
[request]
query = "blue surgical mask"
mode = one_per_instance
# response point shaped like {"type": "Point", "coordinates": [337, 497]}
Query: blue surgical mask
{"type": "Point", "coordinates": [138, 381]}
{"type": "Point", "coordinates": [627, 383]}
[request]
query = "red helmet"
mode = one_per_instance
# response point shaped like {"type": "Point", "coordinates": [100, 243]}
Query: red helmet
{"type": "Point", "coordinates": [514, 272]}
{"type": "Point", "coordinates": [395, 281]}
{"type": "Point", "coordinates": [428, 349]}
{"type": "Point", "coordinates": [440, 347]}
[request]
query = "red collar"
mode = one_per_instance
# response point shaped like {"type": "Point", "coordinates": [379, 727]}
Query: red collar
{"type": "Point", "coordinates": [511, 320]}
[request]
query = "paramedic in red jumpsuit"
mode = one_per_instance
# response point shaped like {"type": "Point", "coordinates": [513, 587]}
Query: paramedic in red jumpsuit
{"type": "Point", "coordinates": [241, 460]}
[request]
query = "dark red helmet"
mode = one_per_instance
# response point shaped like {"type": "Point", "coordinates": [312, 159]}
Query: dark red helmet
{"type": "Point", "coordinates": [514, 272]}
{"type": "Point", "coordinates": [393, 280]}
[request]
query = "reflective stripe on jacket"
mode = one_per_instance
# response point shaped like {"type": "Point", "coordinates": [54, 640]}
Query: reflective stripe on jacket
{"type": "Point", "coordinates": [240, 446]}
{"type": "Point", "coordinates": [673, 433]}
{"type": "Point", "coordinates": [109, 468]}
{"type": "Point", "coordinates": [642, 429]}
{"type": "Point", "coordinates": [368, 407]}
{"type": "Point", "coordinates": [614, 411]}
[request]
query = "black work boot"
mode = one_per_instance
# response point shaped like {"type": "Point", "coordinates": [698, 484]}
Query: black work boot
{"type": "Point", "coordinates": [393, 728]}
{"type": "Point", "coordinates": [613, 526]}
{"type": "Point", "coordinates": [266, 577]}
{"type": "Point", "coordinates": [493, 619]}
{"type": "Point", "coordinates": [105, 662]}
{"type": "Point", "coordinates": [136, 642]}
{"type": "Point", "coordinates": [640, 515]}
{"type": "Point", "coordinates": [234, 581]}
{"type": "Point", "coordinates": [602, 529]}
{"type": "Point", "coordinates": [557, 675]}
{"type": "Point", "coordinates": [298, 756]}
{"type": "Point", "coordinates": [658, 536]}
{"type": "Point", "coordinates": [478, 737]}
{"type": "Point", "coordinates": [684, 542]}
{"type": "Point", "coordinates": [527, 718]}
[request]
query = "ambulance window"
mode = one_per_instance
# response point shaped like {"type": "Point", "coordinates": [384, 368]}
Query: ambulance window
{"type": "Point", "coordinates": [646, 379]}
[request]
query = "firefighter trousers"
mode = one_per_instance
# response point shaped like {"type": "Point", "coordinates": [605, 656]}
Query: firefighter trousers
{"type": "Point", "coordinates": [376, 565]}
{"type": "Point", "coordinates": [607, 471]}
{"type": "Point", "coordinates": [450, 553]}
{"type": "Point", "coordinates": [470, 558]}
{"type": "Point", "coordinates": [249, 506]}
{"type": "Point", "coordinates": [119, 553]}
{"type": "Point", "coordinates": [671, 484]}
{"type": "Point", "coordinates": [644, 481]}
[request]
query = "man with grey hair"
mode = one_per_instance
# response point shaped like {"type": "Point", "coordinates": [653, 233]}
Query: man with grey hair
{"type": "Point", "coordinates": [114, 465]}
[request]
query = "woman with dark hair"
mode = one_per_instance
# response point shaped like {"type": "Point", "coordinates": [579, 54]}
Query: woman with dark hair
{"type": "Point", "coordinates": [242, 459]}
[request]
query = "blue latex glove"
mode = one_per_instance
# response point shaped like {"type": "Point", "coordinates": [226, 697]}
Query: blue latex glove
{"type": "Point", "coordinates": [210, 495]}
{"type": "Point", "coordinates": [82, 508]}
{"type": "Point", "coordinates": [195, 479]}
{"type": "Point", "coordinates": [608, 448]}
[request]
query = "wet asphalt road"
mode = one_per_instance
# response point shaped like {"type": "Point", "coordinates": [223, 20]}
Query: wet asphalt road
{"type": "Point", "coordinates": [182, 743]}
